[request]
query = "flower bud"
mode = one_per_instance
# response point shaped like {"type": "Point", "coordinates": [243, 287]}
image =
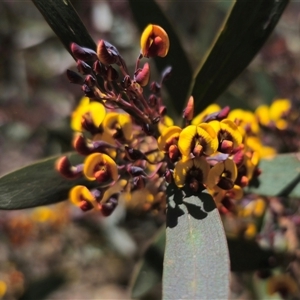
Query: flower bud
{"type": "Point", "coordinates": [188, 112]}
{"type": "Point", "coordinates": [109, 206]}
{"type": "Point", "coordinates": [142, 76]}
{"type": "Point", "coordinates": [64, 167]}
{"type": "Point", "coordinates": [74, 77]}
{"type": "Point", "coordinates": [83, 53]}
{"type": "Point", "coordinates": [90, 81]}
{"type": "Point", "coordinates": [112, 74]}
{"type": "Point", "coordinates": [83, 67]}
{"type": "Point", "coordinates": [105, 55]}
{"type": "Point", "coordinates": [126, 82]}
{"type": "Point", "coordinates": [87, 91]}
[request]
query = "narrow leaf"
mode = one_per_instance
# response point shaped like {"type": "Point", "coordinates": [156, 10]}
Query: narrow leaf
{"type": "Point", "coordinates": [244, 32]}
{"type": "Point", "coordinates": [37, 184]}
{"type": "Point", "coordinates": [146, 12]}
{"type": "Point", "coordinates": [65, 22]}
{"type": "Point", "coordinates": [280, 176]}
{"type": "Point", "coordinates": [196, 264]}
{"type": "Point", "coordinates": [149, 272]}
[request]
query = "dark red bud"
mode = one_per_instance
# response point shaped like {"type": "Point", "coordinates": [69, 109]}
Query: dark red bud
{"type": "Point", "coordinates": [105, 55]}
{"type": "Point", "coordinates": [90, 81]}
{"type": "Point", "coordinates": [163, 110]}
{"type": "Point", "coordinates": [83, 67]}
{"type": "Point", "coordinates": [126, 82]}
{"type": "Point", "coordinates": [142, 76]}
{"type": "Point", "coordinates": [64, 167]}
{"type": "Point", "coordinates": [188, 112]}
{"type": "Point", "coordinates": [108, 207]}
{"type": "Point", "coordinates": [155, 87]}
{"type": "Point", "coordinates": [152, 100]}
{"type": "Point", "coordinates": [74, 77]}
{"type": "Point", "coordinates": [99, 68]}
{"type": "Point", "coordinates": [112, 74]}
{"type": "Point", "coordinates": [85, 205]}
{"type": "Point", "coordinates": [79, 144]}
{"type": "Point", "coordinates": [83, 53]}
{"type": "Point", "coordinates": [87, 91]}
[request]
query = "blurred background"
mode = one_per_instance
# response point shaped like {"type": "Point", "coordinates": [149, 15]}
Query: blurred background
{"type": "Point", "coordinates": [58, 252]}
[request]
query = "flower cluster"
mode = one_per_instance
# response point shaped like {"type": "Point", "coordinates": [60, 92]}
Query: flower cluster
{"type": "Point", "coordinates": [133, 147]}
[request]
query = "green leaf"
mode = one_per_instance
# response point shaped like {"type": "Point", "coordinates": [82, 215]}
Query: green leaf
{"type": "Point", "coordinates": [149, 12]}
{"type": "Point", "coordinates": [280, 176]}
{"type": "Point", "coordinates": [65, 22]}
{"type": "Point", "coordinates": [244, 32]}
{"type": "Point", "coordinates": [37, 184]}
{"type": "Point", "coordinates": [149, 271]}
{"type": "Point", "coordinates": [196, 264]}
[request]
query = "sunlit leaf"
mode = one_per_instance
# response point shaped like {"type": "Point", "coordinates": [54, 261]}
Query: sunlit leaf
{"type": "Point", "coordinates": [149, 12]}
{"type": "Point", "coordinates": [65, 22]}
{"type": "Point", "coordinates": [196, 264]}
{"type": "Point", "coordinates": [36, 184]}
{"type": "Point", "coordinates": [149, 272]}
{"type": "Point", "coordinates": [246, 29]}
{"type": "Point", "coordinates": [280, 176]}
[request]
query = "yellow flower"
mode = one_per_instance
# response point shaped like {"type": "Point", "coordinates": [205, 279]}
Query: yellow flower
{"type": "Point", "coordinates": [154, 41]}
{"type": "Point", "coordinates": [279, 108]}
{"type": "Point", "coordinates": [283, 284]}
{"type": "Point", "coordinates": [164, 123]}
{"type": "Point", "coordinates": [254, 144]}
{"type": "Point", "coordinates": [43, 214]}
{"type": "Point", "coordinates": [100, 167]}
{"type": "Point", "coordinates": [223, 174]}
{"type": "Point", "coordinates": [94, 110]}
{"type": "Point", "coordinates": [255, 208]}
{"type": "Point", "coordinates": [81, 196]}
{"type": "Point", "coordinates": [250, 231]}
{"type": "Point", "coordinates": [228, 134]}
{"type": "Point", "coordinates": [246, 119]}
{"type": "Point", "coordinates": [3, 289]}
{"type": "Point", "coordinates": [262, 113]}
{"type": "Point", "coordinates": [118, 125]}
{"type": "Point", "coordinates": [213, 108]}
{"type": "Point", "coordinates": [198, 140]}
{"type": "Point", "coordinates": [192, 172]}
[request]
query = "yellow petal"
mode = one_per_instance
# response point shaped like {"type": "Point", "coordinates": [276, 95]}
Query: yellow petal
{"type": "Point", "coordinates": [208, 133]}
{"type": "Point", "coordinates": [216, 126]}
{"type": "Point", "coordinates": [98, 112]}
{"type": "Point", "coordinates": [278, 108]}
{"type": "Point", "coordinates": [126, 126]}
{"type": "Point", "coordinates": [263, 114]}
{"type": "Point", "coordinates": [186, 138]}
{"type": "Point", "coordinates": [209, 110]}
{"type": "Point", "coordinates": [150, 33]}
{"type": "Point", "coordinates": [79, 193]}
{"type": "Point", "coordinates": [232, 129]}
{"type": "Point", "coordinates": [168, 133]}
{"type": "Point", "coordinates": [181, 170]}
{"type": "Point", "coordinates": [214, 174]}
{"type": "Point", "coordinates": [231, 167]}
{"type": "Point", "coordinates": [201, 164]}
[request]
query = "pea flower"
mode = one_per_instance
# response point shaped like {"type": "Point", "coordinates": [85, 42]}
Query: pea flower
{"type": "Point", "coordinates": [154, 41]}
